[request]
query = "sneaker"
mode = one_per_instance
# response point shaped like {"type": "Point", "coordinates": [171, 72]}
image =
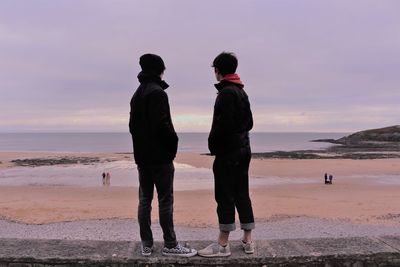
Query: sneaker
{"type": "Point", "coordinates": [248, 247]}
{"type": "Point", "coordinates": [146, 251]}
{"type": "Point", "coordinates": [215, 250]}
{"type": "Point", "coordinates": [179, 251]}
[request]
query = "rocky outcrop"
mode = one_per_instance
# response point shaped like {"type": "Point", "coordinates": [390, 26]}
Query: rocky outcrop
{"type": "Point", "coordinates": [55, 161]}
{"type": "Point", "coordinates": [387, 134]}
{"type": "Point", "coordinates": [369, 144]}
{"type": "Point", "coordinates": [382, 139]}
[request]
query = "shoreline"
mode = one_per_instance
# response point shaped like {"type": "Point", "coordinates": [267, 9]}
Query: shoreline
{"type": "Point", "coordinates": [357, 195]}
{"type": "Point", "coordinates": [259, 167]}
{"type": "Point", "coordinates": [44, 158]}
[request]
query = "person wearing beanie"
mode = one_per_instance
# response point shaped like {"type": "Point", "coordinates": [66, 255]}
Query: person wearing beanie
{"type": "Point", "coordinates": [152, 64]}
{"type": "Point", "coordinates": [229, 142]}
{"type": "Point", "coordinates": [155, 144]}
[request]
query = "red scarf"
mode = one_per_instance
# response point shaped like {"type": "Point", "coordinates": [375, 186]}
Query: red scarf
{"type": "Point", "coordinates": [233, 78]}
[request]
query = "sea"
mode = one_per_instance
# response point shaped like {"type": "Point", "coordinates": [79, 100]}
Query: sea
{"type": "Point", "coordinates": [124, 172]}
{"type": "Point", "coordinates": [121, 142]}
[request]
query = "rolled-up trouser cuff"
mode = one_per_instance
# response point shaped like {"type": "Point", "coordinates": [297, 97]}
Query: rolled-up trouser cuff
{"type": "Point", "coordinates": [147, 243]}
{"type": "Point", "coordinates": [227, 227]}
{"type": "Point", "coordinates": [247, 226]}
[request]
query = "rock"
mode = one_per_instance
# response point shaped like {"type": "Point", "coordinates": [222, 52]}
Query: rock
{"type": "Point", "coordinates": [387, 134]}
{"type": "Point", "coordinates": [332, 141]}
{"type": "Point", "coordinates": [379, 143]}
{"type": "Point", "coordinates": [286, 155]}
{"type": "Point", "coordinates": [55, 161]}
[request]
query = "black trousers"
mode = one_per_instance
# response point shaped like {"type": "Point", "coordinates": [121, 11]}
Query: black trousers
{"type": "Point", "coordinates": [231, 178]}
{"type": "Point", "coordinates": [162, 177]}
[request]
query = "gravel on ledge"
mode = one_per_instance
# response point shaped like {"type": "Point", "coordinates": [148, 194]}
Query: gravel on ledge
{"type": "Point", "coordinates": [128, 230]}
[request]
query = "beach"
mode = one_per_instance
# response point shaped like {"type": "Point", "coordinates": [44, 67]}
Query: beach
{"type": "Point", "coordinates": [363, 192]}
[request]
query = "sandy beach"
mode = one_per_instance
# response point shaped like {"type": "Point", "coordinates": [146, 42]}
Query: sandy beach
{"type": "Point", "coordinates": [358, 195]}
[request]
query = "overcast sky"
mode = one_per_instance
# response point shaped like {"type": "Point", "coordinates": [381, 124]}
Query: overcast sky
{"type": "Point", "coordinates": [307, 65]}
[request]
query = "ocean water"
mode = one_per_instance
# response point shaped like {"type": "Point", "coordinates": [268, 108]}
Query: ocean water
{"type": "Point", "coordinates": [121, 142]}
{"type": "Point", "coordinates": [124, 172]}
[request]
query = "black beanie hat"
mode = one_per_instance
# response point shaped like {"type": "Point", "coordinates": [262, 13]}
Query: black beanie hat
{"type": "Point", "coordinates": [152, 63]}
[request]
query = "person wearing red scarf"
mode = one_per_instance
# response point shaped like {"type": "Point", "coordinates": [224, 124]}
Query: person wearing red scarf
{"type": "Point", "coordinates": [229, 142]}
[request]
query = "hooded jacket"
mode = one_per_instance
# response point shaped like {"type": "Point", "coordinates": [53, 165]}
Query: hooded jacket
{"type": "Point", "coordinates": [155, 141]}
{"type": "Point", "coordinates": [232, 119]}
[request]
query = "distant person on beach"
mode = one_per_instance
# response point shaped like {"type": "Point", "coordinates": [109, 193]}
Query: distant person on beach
{"type": "Point", "coordinates": [326, 178]}
{"type": "Point", "coordinates": [155, 144]}
{"type": "Point", "coordinates": [108, 179]}
{"type": "Point", "coordinates": [229, 142]}
{"type": "Point", "coordinates": [330, 179]}
{"type": "Point", "coordinates": [104, 178]}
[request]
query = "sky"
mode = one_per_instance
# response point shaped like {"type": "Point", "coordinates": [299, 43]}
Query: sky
{"type": "Point", "coordinates": [307, 65]}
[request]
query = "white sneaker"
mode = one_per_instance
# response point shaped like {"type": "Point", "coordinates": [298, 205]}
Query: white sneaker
{"type": "Point", "coordinates": [248, 247]}
{"type": "Point", "coordinates": [215, 250]}
{"type": "Point", "coordinates": [179, 251]}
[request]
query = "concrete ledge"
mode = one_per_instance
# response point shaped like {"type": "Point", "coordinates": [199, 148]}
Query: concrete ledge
{"type": "Point", "coordinates": [363, 251]}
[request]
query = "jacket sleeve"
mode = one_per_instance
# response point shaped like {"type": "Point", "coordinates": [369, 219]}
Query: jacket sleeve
{"type": "Point", "coordinates": [131, 117]}
{"type": "Point", "coordinates": [223, 121]}
{"type": "Point", "coordinates": [161, 122]}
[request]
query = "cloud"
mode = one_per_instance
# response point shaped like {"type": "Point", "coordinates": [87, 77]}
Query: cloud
{"type": "Point", "coordinates": [307, 65]}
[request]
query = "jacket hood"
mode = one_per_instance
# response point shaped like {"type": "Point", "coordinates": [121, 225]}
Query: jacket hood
{"type": "Point", "coordinates": [229, 79]}
{"type": "Point", "coordinates": [145, 77]}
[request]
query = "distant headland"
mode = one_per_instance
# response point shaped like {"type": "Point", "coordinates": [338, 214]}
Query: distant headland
{"type": "Point", "coordinates": [375, 137]}
{"type": "Point", "coordinates": [367, 144]}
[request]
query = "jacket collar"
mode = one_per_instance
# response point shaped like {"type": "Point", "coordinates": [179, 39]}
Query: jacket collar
{"type": "Point", "coordinates": [145, 77]}
{"type": "Point", "coordinates": [225, 83]}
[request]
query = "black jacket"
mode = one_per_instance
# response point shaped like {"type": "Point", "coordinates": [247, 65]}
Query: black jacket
{"type": "Point", "coordinates": [232, 120]}
{"type": "Point", "coordinates": [153, 135]}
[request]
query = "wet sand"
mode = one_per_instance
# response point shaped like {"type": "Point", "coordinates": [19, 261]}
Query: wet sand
{"type": "Point", "coordinates": [351, 198]}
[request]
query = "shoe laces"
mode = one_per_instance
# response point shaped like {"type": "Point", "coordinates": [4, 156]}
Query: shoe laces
{"type": "Point", "coordinates": [183, 249]}
{"type": "Point", "coordinates": [146, 249]}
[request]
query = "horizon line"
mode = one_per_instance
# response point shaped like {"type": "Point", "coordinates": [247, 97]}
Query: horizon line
{"type": "Point", "coordinates": [110, 132]}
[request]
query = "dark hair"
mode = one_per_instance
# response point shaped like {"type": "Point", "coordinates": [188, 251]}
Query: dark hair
{"type": "Point", "coordinates": [226, 63]}
{"type": "Point", "coordinates": [152, 64]}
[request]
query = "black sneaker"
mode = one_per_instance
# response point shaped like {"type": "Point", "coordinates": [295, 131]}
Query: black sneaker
{"type": "Point", "coordinates": [179, 251]}
{"type": "Point", "coordinates": [146, 251]}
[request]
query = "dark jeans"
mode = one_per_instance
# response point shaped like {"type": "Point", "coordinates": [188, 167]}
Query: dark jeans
{"type": "Point", "coordinates": [231, 177]}
{"type": "Point", "coordinates": [162, 178]}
